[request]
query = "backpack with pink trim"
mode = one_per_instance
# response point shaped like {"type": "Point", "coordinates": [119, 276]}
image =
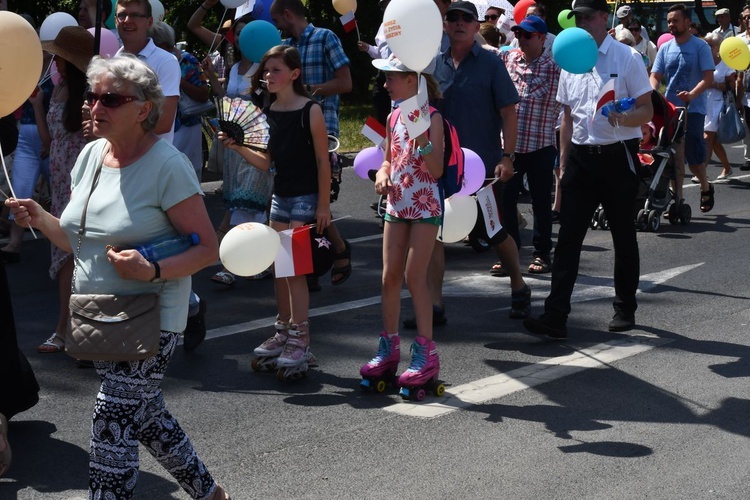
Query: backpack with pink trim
{"type": "Point", "coordinates": [452, 179]}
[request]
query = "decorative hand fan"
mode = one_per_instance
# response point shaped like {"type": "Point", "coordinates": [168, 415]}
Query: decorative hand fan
{"type": "Point", "coordinates": [244, 122]}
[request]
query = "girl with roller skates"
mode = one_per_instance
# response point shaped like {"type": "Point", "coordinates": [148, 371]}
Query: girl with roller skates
{"type": "Point", "coordinates": [409, 177]}
{"type": "Point", "coordinates": [298, 149]}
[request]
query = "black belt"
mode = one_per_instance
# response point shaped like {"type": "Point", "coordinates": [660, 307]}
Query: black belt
{"type": "Point", "coordinates": [599, 149]}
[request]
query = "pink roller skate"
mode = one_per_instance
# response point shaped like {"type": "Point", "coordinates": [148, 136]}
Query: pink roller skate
{"type": "Point", "coordinates": [295, 359]}
{"type": "Point", "coordinates": [381, 370]}
{"type": "Point", "coordinates": [268, 352]}
{"type": "Point", "coordinates": [422, 374]}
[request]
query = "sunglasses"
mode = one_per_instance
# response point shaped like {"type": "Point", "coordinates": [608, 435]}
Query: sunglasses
{"type": "Point", "coordinates": [525, 34]}
{"type": "Point", "coordinates": [109, 100]}
{"type": "Point", "coordinates": [121, 16]}
{"type": "Point", "coordinates": [745, 17]}
{"type": "Point", "coordinates": [637, 29]}
{"type": "Point", "coordinates": [452, 17]}
{"type": "Point", "coordinates": [491, 17]}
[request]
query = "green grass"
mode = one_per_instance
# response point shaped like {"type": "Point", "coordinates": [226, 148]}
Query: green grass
{"type": "Point", "coordinates": [352, 118]}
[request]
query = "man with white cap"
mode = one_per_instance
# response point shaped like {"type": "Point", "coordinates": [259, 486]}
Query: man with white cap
{"type": "Point", "coordinates": [725, 29]}
{"type": "Point", "coordinates": [625, 14]}
{"type": "Point", "coordinates": [598, 154]}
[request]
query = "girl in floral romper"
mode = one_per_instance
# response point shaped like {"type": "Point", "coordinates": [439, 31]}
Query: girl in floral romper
{"type": "Point", "coordinates": [408, 176]}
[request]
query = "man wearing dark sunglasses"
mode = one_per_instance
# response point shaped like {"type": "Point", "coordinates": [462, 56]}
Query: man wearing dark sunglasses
{"type": "Point", "coordinates": [479, 100]}
{"type": "Point", "coordinates": [539, 10]}
{"type": "Point", "coordinates": [133, 19]}
{"type": "Point", "coordinates": [535, 76]}
{"type": "Point", "coordinates": [597, 157]}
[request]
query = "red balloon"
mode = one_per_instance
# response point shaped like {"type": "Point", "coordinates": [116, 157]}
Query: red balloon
{"type": "Point", "coordinates": [519, 11]}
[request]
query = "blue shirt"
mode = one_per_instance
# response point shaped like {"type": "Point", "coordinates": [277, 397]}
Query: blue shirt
{"type": "Point", "coordinates": [322, 55]}
{"type": "Point", "coordinates": [683, 65]}
{"type": "Point", "coordinates": [473, 94]}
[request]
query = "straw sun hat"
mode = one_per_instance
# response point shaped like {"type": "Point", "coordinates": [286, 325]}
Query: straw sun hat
{"type": "Point", "coordinates": [74, 44]}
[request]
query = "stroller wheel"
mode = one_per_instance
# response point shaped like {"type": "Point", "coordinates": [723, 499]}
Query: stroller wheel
{"type": "Point", "coordinates": [641, 220]}
{"type": "Point", "coordinates": [686, 213]}
{"type": "Point", "coordinates": [674, 214]}
{"type": "Point", "coordinates": [653, 221]}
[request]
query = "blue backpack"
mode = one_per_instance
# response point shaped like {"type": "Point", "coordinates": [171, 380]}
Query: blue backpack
{"type": "Point", "coordinates": [452, 179]}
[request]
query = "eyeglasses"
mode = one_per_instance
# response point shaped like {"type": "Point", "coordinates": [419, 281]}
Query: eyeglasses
{"type": "Point", "coordinates": [491, 17]}
{"type": "Point", "coordinates": [637, 29]}
{"type": "Point", "coordinates": [109, 100]}
{"type": "Point", "coordinates": [525, 34]}
{"type": "Point", "coordinates": [452, 17]}
{"type": "Point", "coordinates": [121, 16]}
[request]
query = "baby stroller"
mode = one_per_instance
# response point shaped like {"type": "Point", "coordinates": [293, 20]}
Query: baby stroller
{"type": "Point", "coordinates": [654, 194]}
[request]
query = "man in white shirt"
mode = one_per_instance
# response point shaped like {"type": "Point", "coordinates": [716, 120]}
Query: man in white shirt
{"type": "Point", "coordinates": [725, 29]}
{"type": "Point", "coordinates": [598, 154]}
{"type": "Point", "coordinates": [133, 18]}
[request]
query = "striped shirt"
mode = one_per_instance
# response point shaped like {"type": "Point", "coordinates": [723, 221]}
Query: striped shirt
{"type": "Point", "coordinates": [538, 109]}
{"type": "Point", "coordinates": [322, 55]}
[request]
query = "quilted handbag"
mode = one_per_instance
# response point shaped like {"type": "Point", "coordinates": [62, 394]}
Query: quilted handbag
{"type": "Point", "coordinates": [731, 128]}
{"type": "Point", "coordinates": [189, 107]}
{"type": "Point", "coordinates": [111, 327]}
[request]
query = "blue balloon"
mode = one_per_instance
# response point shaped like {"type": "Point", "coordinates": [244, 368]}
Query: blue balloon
{"type": "Point", "coordinates": [505, 48]}
{"type": "Point", "coordinates": [575, 51]}
{"type": "Point", "coordinates": [257, 38]}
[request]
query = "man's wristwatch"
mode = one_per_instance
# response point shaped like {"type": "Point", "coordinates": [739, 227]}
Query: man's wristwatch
{"type": "Point", "coordinates": [512, 156]}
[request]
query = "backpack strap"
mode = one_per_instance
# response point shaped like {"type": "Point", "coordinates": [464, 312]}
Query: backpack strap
{"type": "Point", "coordinates": [306, 119]}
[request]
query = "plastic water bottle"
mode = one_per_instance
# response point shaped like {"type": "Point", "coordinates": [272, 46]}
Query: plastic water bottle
{"type": "Point", "coordinates": [167, 246]}
{"type": "Point", "coordinates": [620, 105]}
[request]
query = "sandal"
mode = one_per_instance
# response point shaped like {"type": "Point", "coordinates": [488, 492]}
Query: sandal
{"type": "Point", "coordinates": [224, 278]}
{"type": "Point", "coordinates": [707, 199]}
{"type": "Point", "coordinates": [343, 271]}
{"type": "Point", "coordinates": [539, 266]}
{"type": "Point", "coordinates": [497, 270]}
{"type": "Point", "coordinates": [50, 346]}
{"type": "Point", "coordinates": [313, 285]}
{"type": "Point", "coordinates": [520, 303]}
{"type": "Point", "coordinates": [5, 454]}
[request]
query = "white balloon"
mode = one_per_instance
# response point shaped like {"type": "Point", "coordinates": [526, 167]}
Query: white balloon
{"type": "Point", "coordinates": [249, 249]}
{"type": "Point", "coordinates": [459, 218]}
{"type": "Point", "coordinates": [413, 31]}
{"type": "Point", "coordinates": [157, 10]}
{"type": "Point", "coordinates": [54, 23]}
{"type": "Point", "coordinates": [232, 4]}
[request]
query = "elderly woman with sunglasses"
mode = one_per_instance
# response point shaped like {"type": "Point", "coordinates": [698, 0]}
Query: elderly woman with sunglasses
{"type": "Point", "coordinates": [146, 190]}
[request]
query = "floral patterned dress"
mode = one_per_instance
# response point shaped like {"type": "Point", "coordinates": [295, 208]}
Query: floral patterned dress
{"type": "Point", "coordinates": [64, 150]}
{"type": "Point", "coordinates": [415, 193]}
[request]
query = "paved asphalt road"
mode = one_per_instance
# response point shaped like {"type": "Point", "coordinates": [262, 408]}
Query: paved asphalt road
{"type": "Point", "coordinates": [660, 412]}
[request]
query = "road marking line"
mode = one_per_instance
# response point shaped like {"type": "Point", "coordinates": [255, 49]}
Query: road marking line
{"type": "Point", "coordinates": [473, 285]}
{"type": "Point", "coordinates": [504, 384]}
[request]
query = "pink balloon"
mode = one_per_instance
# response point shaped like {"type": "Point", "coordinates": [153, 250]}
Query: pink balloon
{"type": "Point", "coordinates": [368, 159]}
{"type": "Point", "coordinates": [664, 38]}
{"type": "Point", "coordinates": [109, 45]}
{"type": "Point", "coordinates": [54, 74]}
{"type": "Point", "coordinates": [473, 173]}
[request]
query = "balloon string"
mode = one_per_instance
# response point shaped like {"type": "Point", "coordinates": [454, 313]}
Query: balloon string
{"type": "Point", "coordinates": [10, 185]}
{"type": "Point", "coordinates": [47, 72]}
{"type": "Point", "coordinates": [356, 25]}
{"type": "Point", "coordinates": [216, 34]}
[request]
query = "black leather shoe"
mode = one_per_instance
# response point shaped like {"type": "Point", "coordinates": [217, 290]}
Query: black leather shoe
{"type": "Point", "coordinates": [548, 326]}
{"type": "Point", "coordinates": [438, 318]}
{"type": "Point", "coordinates": [622, 322]}
{"type": "Point", "coordinates": [195, 331]}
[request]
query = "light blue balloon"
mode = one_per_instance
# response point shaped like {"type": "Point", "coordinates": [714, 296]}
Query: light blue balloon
{"type": "Point", "coordinates": [505, 48]}
{"type": "Point", "coordinates": [257, 38]}
{"type": "Point", "coordinates": [575, 51]}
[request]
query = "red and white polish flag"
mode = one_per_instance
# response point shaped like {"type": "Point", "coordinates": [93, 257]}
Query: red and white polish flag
{"type": "Point", "coordinates": [606, 94]}
{"type": "Point", "coordinates": [374, 130]}
{"type": "Point", "coordinates": [348, 21]}
{"type": "Point", "coordinates": [295, 255]}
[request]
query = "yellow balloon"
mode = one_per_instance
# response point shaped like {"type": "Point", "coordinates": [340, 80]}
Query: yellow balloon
{"type": "Point", "coordinates": [344, 6]}
{"type": "Point", "coordinates": [735, 53]}
{"type": "Point", "coordinates": [20, 61]}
